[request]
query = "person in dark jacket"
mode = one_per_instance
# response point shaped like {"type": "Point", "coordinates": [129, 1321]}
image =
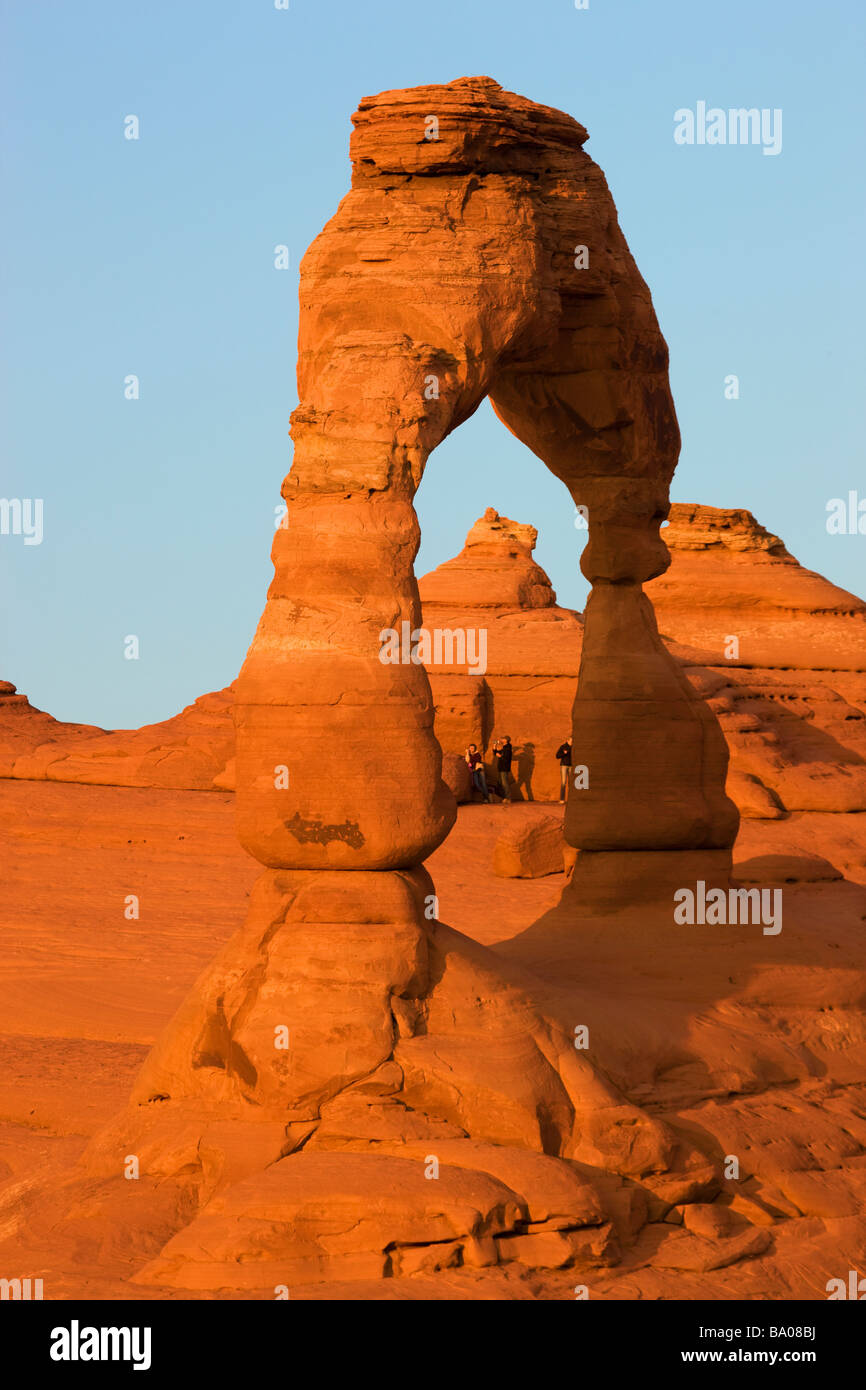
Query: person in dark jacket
{"type": "Point", "coordinates": [504, 753]}
{"type": "Point", "coordinates": [563, 752]}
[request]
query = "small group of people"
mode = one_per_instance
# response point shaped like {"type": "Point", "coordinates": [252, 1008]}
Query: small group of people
{"type": "Point", "coordinates": [503, 752]}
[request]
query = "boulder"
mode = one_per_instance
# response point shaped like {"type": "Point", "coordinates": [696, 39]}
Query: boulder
{"type": "Point", "coordinates": [530, 850]}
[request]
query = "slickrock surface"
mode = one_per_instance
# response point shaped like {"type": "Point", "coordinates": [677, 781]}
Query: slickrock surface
{"type": "Point", "coordinates": [355, 1093]}
{"type": "Point", "coordinates": [190, 750]}
{"type": "Point", "coordinates": [738, 1066]}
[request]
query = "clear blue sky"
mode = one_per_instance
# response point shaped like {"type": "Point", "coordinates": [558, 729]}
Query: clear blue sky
{"type": "Point", "coordinates": [155, 257]}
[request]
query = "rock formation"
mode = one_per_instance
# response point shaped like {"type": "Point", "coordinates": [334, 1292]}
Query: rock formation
{"type": "Point", "coordinates": [730, 578]}
{"type": "Point", "coordinates": [344, 1016]}
{"type": "Point", "coordinates": [486, 261]}
{"type": "Point", "coordinates": [780, 655]}
{"type": "Point", "coordinates": [190, 750]}
{"type": "Point", "coordinates": [796, 730]}
{"type": "Point", "coordinates": [530, 848]}
{"type": "Point", "coordinates": [793, 714]}
{"type": "Point", "coordinates": [354, 1090]}
{"type": "Point", "coordinates": [495, 571]}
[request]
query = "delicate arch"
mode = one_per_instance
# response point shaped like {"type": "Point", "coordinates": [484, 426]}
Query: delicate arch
{"type": "Point", "coordinates": [457, 268]}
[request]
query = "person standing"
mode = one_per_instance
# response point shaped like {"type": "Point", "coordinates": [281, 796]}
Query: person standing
{"type": "Point", "coordinates": [476, 767]}
{"type": "Point", "coordinates": [504, 753]}
{"type": "Point", "coordinates": [563, 753]}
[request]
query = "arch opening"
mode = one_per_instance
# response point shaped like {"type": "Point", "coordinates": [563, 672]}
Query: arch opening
{"type": "Point", "coordinates": [490, 268]}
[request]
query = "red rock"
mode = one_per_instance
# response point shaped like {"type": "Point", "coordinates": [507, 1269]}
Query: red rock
{"type": "Point", "coordinates": [357, 465]}
{"type": "Point", "coordinates": [682, 1250]}
{"type": "Point", "coordinates": [785, 868]}
{"type": "Point", "coordinates": [672, 1192]}
{"type": "Point", "coordinates": [190, 750]}
{"type": "Point", "coordinates": [755, 1212]}
{"type": "Point", "coordinates": [530, 850]}
{"type": "Point", "coordinates": [828, 1195]}
{"type": "Point", "coordinates": [345, 1033]}
{"type": "Point", "coordinates": [550, 1190]}
{"type": "Point", "coordinates": [456, 776]}
{"type": "Point", "coordinates": [730, 577]}
{"type": "Point", "coordinates": [797, 739]}
{"type": "Point", "coordinates": [556, 1249]}
{"type": "Point", "coordinates": [329, 1215]}
{"type": "Point", "coordinates": [711, 1221]}
{"type": "Point", "coordinates": [779, 651]}
{"type": "Point", "coordinates": [495, 570]}
{"type": "Point", "coordinates": [753, 800]}
{"type": "Point", "coordinates": [533, 650]}
{"type": "Point", "coordinates": [322, 952]}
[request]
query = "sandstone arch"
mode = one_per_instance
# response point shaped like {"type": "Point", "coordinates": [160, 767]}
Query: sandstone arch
{"type": "Point", "coordinates": [450, 259]}
{"type": "Point", "coordinates": [453, 260]}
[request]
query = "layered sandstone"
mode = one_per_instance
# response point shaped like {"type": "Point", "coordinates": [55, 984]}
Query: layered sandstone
{"type": "Point", "coordinates": [779, 653]}
{"type": "Point", "coordinates": [345, 1013]}
{"type": "Point", "coordinates": [191, 750]}
{"type": "Point", "coordinates": [796, 732]}
{"type": "Point", "coordinates": [449, 273]}
{"type": "Point", "coordinates": [729, 578]}
{"type": "Point", "coordinates": [495, 569]}
{"type": "Point", "coordinates": [346, 1037]}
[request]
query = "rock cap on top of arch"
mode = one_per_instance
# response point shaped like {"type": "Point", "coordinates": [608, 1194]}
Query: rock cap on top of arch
{"type": "Point", "coordinates": [479, 127]}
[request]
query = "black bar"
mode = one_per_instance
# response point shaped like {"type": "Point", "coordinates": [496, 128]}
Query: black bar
{"type": "Point", "coordinates": [249, 1337]}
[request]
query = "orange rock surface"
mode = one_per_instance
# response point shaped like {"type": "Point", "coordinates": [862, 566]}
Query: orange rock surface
{"type": "Point", "coordinates": [191, 750]}
{"type": "Point", "coordinates": [398, 1070]}
{"type": "Point", "coordinates": [796, 732]}
{"type": "Point", "coordinates": [740, 1047]}
{"type": "Point", "coordinates": [729, 578]}
{"type": "Point", "coordinates": [530, 850]}
{"type": "Point", "coordinates": [780, 655]}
